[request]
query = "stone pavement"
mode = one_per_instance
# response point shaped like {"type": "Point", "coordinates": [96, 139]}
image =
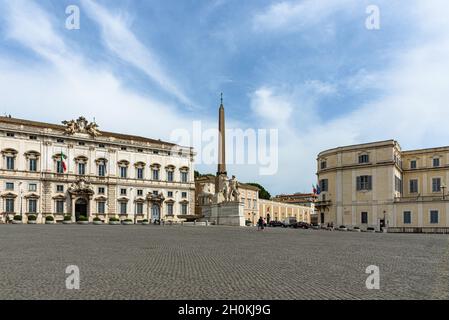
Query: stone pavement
{"type": "Point", "coordinates": [174, 262]}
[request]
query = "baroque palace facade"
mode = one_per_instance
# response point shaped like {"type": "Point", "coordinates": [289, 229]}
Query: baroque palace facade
{"type": "Point", "coordinates": [76, 170]}
{"type": "Point", "coordinates": [380, 186]}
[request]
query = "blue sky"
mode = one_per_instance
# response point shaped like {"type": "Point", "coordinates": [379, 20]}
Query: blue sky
{"type": "Point", "coordinates": [308, 68]}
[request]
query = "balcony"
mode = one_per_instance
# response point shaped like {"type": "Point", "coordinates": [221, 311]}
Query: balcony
{"type": "Point", "coordinates": [323, 204]}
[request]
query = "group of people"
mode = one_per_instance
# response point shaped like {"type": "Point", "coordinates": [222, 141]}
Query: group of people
{"type": "Point", "coordinates": [261, 224]}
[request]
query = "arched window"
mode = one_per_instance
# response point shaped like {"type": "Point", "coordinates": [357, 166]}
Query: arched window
{"type": "Point", "coordinates": [9, 159]}
{"type": "Point", "coordinates": [123, 168]}
{"type": "Point", "coordinates": [101, 167]}
{"type": "Point", "coordinates": [32, 158]}
{"type": "Point", "coordinates": [81, 165]}
{"type": "Point", "coordinates": [155, 171]}
{"type": "Point", "coordinates": [170, 171]}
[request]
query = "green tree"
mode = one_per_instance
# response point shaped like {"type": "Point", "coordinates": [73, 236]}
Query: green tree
{"type": "Point", "coordinates": [263, 193]}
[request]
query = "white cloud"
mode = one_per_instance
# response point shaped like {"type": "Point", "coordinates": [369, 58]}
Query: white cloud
{"type": "Point", "coordinates": [296, 15]}
{"type": "Point", "coordinates": [412, 107]}
{"type": "Point", "coordinates": [121, 41]}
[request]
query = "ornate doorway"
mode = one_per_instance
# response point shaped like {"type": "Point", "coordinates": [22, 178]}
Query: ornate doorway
{"type": "Point", "coordinates": [80, 208]}
{"type": "Point", "coordinates": [155, 213]}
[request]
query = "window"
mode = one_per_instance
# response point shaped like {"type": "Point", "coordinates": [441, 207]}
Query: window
{"type": "Point", "coordinates": [60, 140]}
{"type": "Point", "coordinates": [170, 176]}
{"type": "Point", "coordinates": [101, 169]}
{"type": "Point", "coordinates": [436, 184]}
{"type": "Point", "coordinates": [32, 206]}
{"type": "Point", "coordinates": [33, 137]}
{"type": "Point", "coordinates": [123, 148]}
{"type": "Point", "coordinates": [140, 192]}
{"type": "Point", "coordinates": [60, 207]}
{"type": "Point", "coordinates": [33, 165]}
{"type": "Point", "coordinates": [123, 172]}
{"type": "Point", "coordinates": [364, 217]}
{"type": "Point", "coordinates": [413, 186]}
{"type": "Point", "coordinates": [81, 143]}
{"type": "Point", "coordinates": [155, 174]}
{"type": "Point", "coordinates": [123, 192]}
{"type": "Point", "coordinates": [170, 194]}
{"type": "Point", "coordinates": [364, 158]}
{"type": "Point", "coordinates": [434, 216]}
{"type": "Point", "coordinates": [184, 177]}
{"type": "Point", "coordinates": [139, 208]}
{"type": "Point", "coordinates": [101, 145]}
{"type": "Point", "coordinates": [10, 134]}
{"type": "Point", "coordinates": [101, 190]}
{"type": "Point", "coordinates": [155, 152]}
{"type": "Point", "coordinates": [364, 183]}
{"type": "Point", "coordinates": [398, 184]}
{"type": "Point", "coordinates": [324, 185]}
{"type": "Point", "coordinates": [123, 207]}
{"type": "Point", "coordinates": [9, 163]}
{"type": "Point", "coordinates": [155, 192]}
{"type": "Point", "coordinates": [32, 187]}
{"type": "Point", "coordinates": [101, 207]}
{"type": "Point", "coordinates": [170, 209]}
{"type": "Point", "coordinates": [323, 165]}
{"type": "Point", "coordinates": [413, 164]}
{"type": "Point", "coordinates": [9, 186]}
{"type": "Point", "coordinates": [139, 150]}
{"type": "Point", "coordinates": [436, 162]}
{"type": "Point", "coordinates": [60, 188]}
{"type": "Point", "coordinates": [81, 169]}
{"type": "Point", "coordinates": [184, 194]}
{"type": "Point", "coordinates": [139, 173]}
{"type": "Point", "coordinates": [184, 209]}
{"type": "Point", "coordinates": [59, 167]}
{"type": "Point", "coordinates": [407, 217]}
{"type": "Point", "coordinates": [9, 205]}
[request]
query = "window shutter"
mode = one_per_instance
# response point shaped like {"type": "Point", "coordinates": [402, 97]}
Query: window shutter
{"type": "Point", "coordinates": [370, 182]}
{"type": "Point", "coordinates": [359, 183]}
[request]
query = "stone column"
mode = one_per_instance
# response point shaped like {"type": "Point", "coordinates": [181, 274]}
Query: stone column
{"type": "Point", "coordinates": [72, 208]}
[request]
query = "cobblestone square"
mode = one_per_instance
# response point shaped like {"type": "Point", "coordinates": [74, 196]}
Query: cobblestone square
{"type": "Point", "coordinates": [174, 262]}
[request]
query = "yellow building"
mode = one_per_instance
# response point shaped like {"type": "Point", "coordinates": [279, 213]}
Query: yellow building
{"type": "Point", "coordinates": [278, 211]}
{"type": "Point", "coordinates": [379, 185]}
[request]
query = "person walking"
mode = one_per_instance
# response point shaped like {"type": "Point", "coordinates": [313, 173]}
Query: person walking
{"type": "Point", "coordinates": [260, 224]}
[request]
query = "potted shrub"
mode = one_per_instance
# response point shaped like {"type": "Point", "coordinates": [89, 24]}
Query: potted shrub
{"type": "Point", "coordinates": [127, 222]}
{"type": "Point", "coordinates": [114, 221]}
{"type": "Point", "coordinates": [17, 219]}
{"type": "Point", "coordinates": [49, 220]}
{"type": "Point", "coordinates": [83, 220]}
{"type": "Point", "coordinates": [67, 220]}
{"type": "Point", "coordinates": [32, 219]}
{"type": "Point", "coordinates": [98, 221]}
{"type": "Point", "coordinates": [145, 222]}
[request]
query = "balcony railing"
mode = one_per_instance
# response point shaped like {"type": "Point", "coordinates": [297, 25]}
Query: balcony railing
{"type": "Point", "coordinates": [422, 198]}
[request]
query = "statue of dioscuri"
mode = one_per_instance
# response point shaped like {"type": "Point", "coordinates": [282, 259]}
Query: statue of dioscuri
{"type": "Point", "coordinates": [234, 194]}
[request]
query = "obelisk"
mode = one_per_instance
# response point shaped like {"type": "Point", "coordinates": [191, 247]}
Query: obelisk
{"type": "Point", "coordinates": [221, 140]}
{"type": "Point", "coordinates": [221, 170]}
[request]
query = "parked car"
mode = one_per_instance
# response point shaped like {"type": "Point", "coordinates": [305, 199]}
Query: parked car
{"type": "Point", "coordinates": [316, 226]}
{"type": "Point", "coordinates": [301, 225]}
{"type": "Point", "coordinates": [356, 229]}
{"type": "Point", "coordinates": [276, 224]}
{"type": "Point", "coordinates": [370, 229]}
{"type": "Point", "coordinates": [342, 228]}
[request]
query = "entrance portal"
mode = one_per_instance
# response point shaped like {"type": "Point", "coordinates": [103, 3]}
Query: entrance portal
{"type": "Point", "coordinates": [80, 208]}
{"type": "Point", "coordinates": [155, 214]}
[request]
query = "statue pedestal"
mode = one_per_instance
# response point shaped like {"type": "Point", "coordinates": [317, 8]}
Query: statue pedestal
{"type": "Point", "coordinates": [225, 214]}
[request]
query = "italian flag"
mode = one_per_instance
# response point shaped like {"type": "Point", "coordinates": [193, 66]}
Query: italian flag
{"type": "Point", "coordinates": [63, 157]}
